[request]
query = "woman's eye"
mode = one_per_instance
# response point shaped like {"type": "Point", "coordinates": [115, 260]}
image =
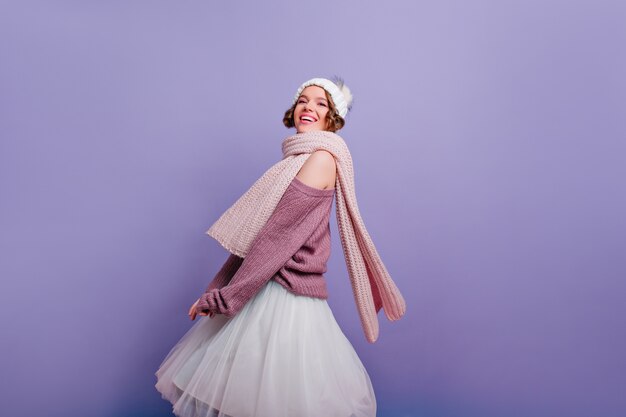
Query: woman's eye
{"type": "Point", "coordinates": [304, 102]}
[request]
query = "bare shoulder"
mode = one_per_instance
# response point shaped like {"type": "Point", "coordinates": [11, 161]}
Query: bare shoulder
{"type": "Point", "coordinates": [319, 170]}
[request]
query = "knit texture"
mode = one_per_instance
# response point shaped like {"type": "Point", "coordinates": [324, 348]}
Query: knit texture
{"type": "Point", "coordinates": [371, 283]}
{"type": "Point", "coordinates": [226, 272]}
{"type": "Point", "coordinates": [297, 227]}
{"type": "Point", "coordinates": [303, 273]}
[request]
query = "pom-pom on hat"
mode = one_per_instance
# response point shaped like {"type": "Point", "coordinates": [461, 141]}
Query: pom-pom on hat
{"type": "Point", "coordinates": [339, 92]}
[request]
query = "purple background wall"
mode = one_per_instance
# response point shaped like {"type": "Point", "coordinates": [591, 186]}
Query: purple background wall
{"type": "Point", "coordinates": [489, 147]}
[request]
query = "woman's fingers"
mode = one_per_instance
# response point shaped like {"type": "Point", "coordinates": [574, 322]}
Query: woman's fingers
{"type": "Point", "coordinates": [193, 312]}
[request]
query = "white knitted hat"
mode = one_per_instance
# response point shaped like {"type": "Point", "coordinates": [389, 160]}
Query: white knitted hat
{"type": "Point", "coordinates": [339, 92]}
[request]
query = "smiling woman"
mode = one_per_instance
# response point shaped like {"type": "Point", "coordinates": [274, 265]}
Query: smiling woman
{"type": "Point", "coordinates": [314, 109]}
{"type": "Point", "coordinates": [271, 345]}
{"type": "Point", "coordinates": [311, 109]}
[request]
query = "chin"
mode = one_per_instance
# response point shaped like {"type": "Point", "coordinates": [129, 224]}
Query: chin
{"type": "Point", "coordinates": [303, 129]}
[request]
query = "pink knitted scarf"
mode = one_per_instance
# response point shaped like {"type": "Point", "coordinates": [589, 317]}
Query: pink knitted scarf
{"type": "Point", "coordinates": [236, 228]}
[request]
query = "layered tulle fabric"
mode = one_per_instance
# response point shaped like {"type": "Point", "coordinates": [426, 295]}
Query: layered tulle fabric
{"type": "Point", "coordinates": [282, 355]}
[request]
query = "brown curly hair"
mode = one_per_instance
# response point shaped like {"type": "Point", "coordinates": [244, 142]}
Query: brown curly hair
{"type": "Point", "coordinates": [334, 121]}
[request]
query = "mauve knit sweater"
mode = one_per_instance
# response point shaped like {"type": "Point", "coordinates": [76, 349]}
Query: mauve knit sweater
{"type": "Point", "coordinates": [292, 248]}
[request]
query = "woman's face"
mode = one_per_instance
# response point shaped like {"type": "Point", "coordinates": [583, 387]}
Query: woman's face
{"type": "Point", "coordinates": [311, 109]}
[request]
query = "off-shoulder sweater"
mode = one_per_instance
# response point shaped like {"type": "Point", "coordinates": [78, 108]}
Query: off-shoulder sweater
{"type": "Point", "coordinates": [292, 249]}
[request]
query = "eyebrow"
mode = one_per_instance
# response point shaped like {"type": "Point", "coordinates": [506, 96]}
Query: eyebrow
{"type": "Point", "coordinates": [307, 97]}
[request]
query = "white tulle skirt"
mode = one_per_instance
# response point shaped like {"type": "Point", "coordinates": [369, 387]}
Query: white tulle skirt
{"type": "Point", "coordinates": [282, 355]}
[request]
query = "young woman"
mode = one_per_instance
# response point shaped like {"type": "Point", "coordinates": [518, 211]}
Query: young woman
{"type": "Point", "coordinates": [271, 345]}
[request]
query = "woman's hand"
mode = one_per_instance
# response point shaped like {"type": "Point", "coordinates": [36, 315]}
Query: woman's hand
{"type": "Point", "coordinates": [193, 312]}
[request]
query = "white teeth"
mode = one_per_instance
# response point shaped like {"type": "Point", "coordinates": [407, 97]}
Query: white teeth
{"type": "Point", "coordinates": [307, 118]}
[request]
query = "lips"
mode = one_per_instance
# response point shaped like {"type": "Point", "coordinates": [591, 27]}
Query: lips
{"type": "Point", "coordinates": [305, 118]}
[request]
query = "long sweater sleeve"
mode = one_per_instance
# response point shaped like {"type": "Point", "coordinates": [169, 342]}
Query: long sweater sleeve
{"type": "Point", "coordinates": [226, 272]}
{"type": "Point", "coordinates": [296, 216]}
